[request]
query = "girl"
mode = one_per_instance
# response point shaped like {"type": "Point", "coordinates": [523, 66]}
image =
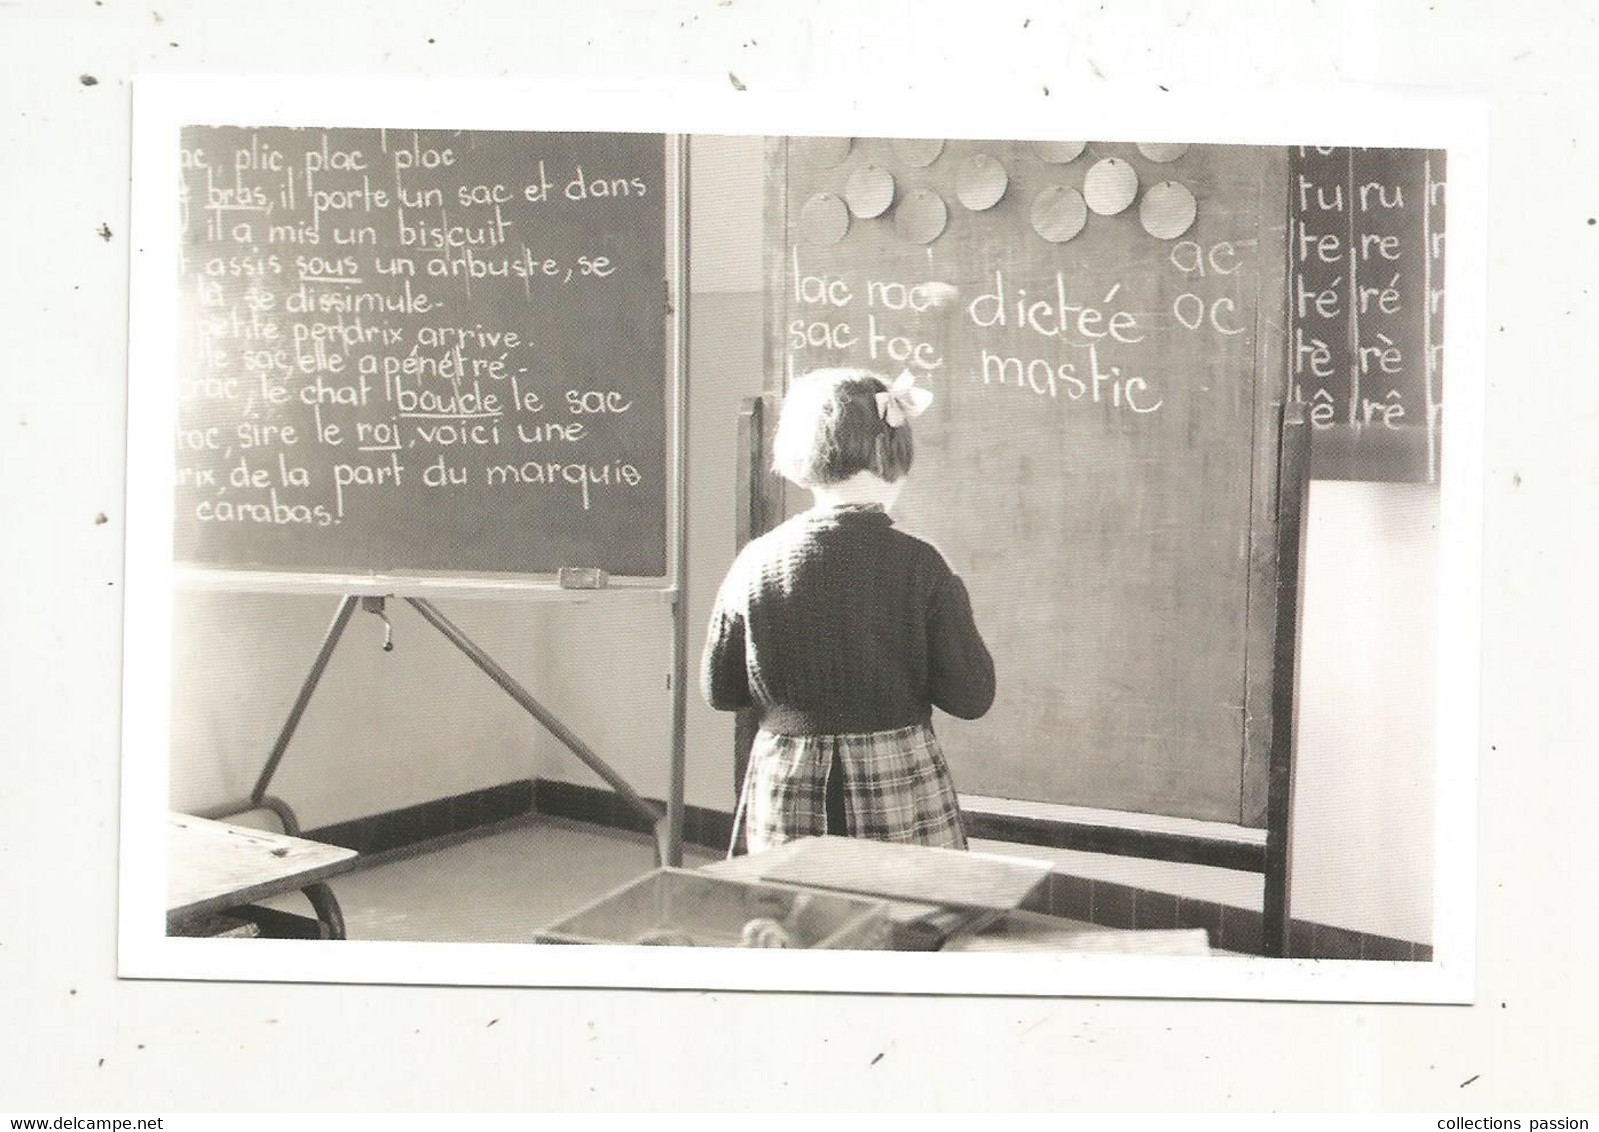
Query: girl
{"type": "Point", "coordinates": [844, 633]}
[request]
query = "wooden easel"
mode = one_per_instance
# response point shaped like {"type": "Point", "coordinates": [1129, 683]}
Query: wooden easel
{"type": "Point", "coordinates": [668, 826]}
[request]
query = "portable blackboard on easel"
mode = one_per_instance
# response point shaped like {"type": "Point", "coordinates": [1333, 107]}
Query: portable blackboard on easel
{"type": "Point", "coordinates": [1112, 463]}
{"type": "Point", "coordinates": [426, 363]}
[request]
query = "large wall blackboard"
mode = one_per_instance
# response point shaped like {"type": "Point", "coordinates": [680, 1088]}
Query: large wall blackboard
{"type": "Point", "coordinates": [423, 351]}
{"type": "Point", "coordinates": [1367, 308]}
{"type": "Point", "coordinates": [1099, 462]}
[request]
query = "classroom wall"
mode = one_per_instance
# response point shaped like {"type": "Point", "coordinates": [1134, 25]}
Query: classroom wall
{"type": "Point", "coordinates": [388, 730]}
{"type": "Point", "coordinates": [384, 730]}
{"type": "Point", "coordinates": [1363, 818]}
{"type": "Point", "coordinates": [631, 727]}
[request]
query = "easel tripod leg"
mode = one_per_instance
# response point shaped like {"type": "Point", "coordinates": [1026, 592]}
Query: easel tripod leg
{"type": "Point", "coordinates": [318, 666]}
{"type": "Point", "coordinates": [259, 799]}
{"type": "Point", "coordinates": [538, 711]}
{"type": "Point", "coordinates": [320, 895]}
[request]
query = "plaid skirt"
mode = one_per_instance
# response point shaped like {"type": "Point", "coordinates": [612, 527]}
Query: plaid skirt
{"type": "Point", "coordinates": [897, 787]}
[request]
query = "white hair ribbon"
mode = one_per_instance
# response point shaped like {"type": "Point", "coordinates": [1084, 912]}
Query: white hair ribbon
{"type": "Point", "coordinates": [903, 400]}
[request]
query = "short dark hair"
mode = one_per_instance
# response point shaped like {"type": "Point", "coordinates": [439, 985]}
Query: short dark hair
{"type": "Point", "coordinates": [831, 428]}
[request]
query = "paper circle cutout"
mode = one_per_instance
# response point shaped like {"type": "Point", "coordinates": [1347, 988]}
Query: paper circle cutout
{"type": "Point", "coordinates": [921, 216]}
{"type": "Point", "coordinates": [1162, 152]}
{"type": "Point", "coordinates": [824, 219]}
{"type": "Point", "coordinates": [1059, 152]}
{"type": "Point", "coordinates": [1059, 213]}
{"type": "Point", "coordinates": [1110, 186]}
{"type": "Point", "coordinates": [918, 152]}
{"type": "Point", "coordinates": [1167, 210]}
{"type": "Point", "coordinates": [824, 151]}
{"type": "Point", "coordinates": [981, 182]}
{"type": "Point", "coordinates": [869, 191]}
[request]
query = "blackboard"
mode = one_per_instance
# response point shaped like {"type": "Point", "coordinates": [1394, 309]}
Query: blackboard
{"type": "Point", "coordinates": [1367, 308]}
{"type": "Point", "coordinates": [423, 351]}
{"type": "Point", "coordinates": [1098, 463]}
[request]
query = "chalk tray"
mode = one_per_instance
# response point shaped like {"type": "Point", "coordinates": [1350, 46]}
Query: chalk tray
{"type": "Point", "coordinates": [685, 908]}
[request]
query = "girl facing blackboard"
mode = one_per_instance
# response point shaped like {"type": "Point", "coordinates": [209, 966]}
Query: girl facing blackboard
{"type": "Point", "coordinates": [844, 633]}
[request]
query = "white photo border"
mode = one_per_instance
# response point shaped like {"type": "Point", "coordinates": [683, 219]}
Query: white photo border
{"type": "Point", "coordinates": [1362, 116]}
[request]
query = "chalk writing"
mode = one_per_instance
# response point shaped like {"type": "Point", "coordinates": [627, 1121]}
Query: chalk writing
{"type": "Point", "coordinates": [1079, 338]}
{"type": "Point", "coordinates": [377, 321]}
{"type": "Point", "coordinates": [1365, 246]}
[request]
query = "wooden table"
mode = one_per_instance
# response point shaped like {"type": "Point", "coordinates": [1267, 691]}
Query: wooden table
{"type": "Point", "coordinates": [213, 866]}
{"type": "Point", "coordinates": [920, 926]}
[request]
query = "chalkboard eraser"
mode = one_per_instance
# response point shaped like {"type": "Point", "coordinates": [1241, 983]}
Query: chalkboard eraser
{"type": "Point", "coordinates": [582, 578]}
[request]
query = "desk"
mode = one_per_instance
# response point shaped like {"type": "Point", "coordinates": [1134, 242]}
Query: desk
{"type": "Point", "coordinates": [213, 866]}
{"type": "Point", "coordinates": [921, 926]}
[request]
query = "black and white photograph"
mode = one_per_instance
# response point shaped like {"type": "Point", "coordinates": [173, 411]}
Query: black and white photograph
{"type": "Point", "coordinates": [793, 542]}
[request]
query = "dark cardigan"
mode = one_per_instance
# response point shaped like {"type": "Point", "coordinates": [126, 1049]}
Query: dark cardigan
{"type": "Point", "coordinates": [836, 623]}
